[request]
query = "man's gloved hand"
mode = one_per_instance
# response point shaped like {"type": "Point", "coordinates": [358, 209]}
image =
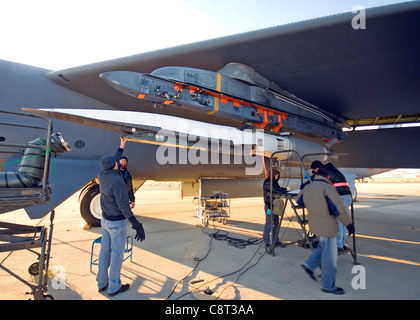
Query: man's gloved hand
{"type": "Point", "coordinates": [136, 225]}
{"type": "Point", "coordinates": [350, 229]}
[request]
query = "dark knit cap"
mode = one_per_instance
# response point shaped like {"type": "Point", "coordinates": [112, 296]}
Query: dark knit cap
{"type": "Point", "coordinates": [108, 162]}
{"type": "Point", "coordinates": [317, 164]}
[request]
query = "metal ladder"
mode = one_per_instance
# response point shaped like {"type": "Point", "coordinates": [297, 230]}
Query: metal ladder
{"type": "Point", "coordinates": [15, 237]}
{"type": "Point", "coordinates": [16, 198]}
{"type": "Point", "coordinates": [306, 240]}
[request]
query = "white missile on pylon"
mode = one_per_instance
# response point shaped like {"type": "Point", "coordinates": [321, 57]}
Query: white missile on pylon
{"type": "Point", "coordinates": [184, 133]}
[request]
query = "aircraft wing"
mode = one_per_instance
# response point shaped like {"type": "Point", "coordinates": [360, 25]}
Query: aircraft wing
{"type": "Point", "coordinates": [366, 76]}
{"type": "Point", "coordinates": [162, 129]}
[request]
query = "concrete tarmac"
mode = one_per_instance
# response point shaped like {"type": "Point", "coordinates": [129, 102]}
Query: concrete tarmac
{"type": "Point", "coordinates": [178, 250]}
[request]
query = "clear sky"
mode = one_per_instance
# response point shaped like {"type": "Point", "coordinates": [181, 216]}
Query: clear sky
{"type": "Point", "coordinates": [55, 34]}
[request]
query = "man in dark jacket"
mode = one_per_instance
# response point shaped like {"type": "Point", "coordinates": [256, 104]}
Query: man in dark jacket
{"type": "Point", "coordinates": [340, 183]}
{"type": "Point", "coordinates": [122, 166]}
{"type": "Point", "coordinates": [267, 201]}
{"type": "Point", "coordinates": [115, 210]}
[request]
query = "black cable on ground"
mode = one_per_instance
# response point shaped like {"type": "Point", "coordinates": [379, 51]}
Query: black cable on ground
{"type": "Point", "coordinates": [229, 274]}
{"type": "Point", "coordinates": [189, 274]}
{"type": "Point", "coordinates": [242, 273]}
{"type": "Point", "coordinates": [235, 242]}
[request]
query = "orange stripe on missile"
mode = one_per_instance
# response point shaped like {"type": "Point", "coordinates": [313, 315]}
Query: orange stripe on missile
{"type": "Point", "coordinates": [178, 86]}
{"type": "Point", "coordinates": [216, 98]}
{"type": "Point", "coordinates": [220, 98]}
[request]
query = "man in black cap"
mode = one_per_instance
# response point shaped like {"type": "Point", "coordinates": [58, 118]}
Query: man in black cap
{"type": "Point", "coordinates": [314, 166]}
{"type": "Point", "coordinates": [115, 210]}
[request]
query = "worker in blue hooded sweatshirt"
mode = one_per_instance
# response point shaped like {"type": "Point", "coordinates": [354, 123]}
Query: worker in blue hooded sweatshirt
{"type": "Point", "coordinates": [115, 210]}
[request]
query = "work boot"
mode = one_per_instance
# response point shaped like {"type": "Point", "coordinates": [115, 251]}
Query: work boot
{"type": "Point", "coordinates": [337, 290]}
{"type": "Point", "coordinates": [123, 288]}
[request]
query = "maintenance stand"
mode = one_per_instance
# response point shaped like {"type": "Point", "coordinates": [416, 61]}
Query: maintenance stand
{"type": "Point", "coordinates": [279, 202]}
{"type": "Point", "coordinates": [15, 237]}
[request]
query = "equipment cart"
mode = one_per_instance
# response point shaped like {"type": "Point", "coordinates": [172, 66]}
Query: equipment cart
{"type": "Point", "coordinates": [216, 207]}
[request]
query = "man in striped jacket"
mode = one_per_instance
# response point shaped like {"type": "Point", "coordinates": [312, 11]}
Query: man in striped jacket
{"type": "Point", "coordinates": [340, 184]}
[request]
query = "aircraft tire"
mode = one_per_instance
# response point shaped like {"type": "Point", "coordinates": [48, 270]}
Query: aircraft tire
{"type": "Point", "coordinates": [90, 206]}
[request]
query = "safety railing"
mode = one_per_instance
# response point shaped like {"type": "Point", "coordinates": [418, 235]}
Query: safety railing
{"type": "Point", "coordinates": [42, 192]}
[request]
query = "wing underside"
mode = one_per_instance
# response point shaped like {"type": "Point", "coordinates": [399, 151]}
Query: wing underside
{"type": "Point", "coordinates": [352, 73]}
{"type": "Point", "coordinates": [361, 75]}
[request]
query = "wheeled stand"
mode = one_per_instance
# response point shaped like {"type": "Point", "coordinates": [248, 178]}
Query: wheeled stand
{"type": "Point", "coordinates": [214, 207]}
{"type": "Point", "coordinates": [11, 239]}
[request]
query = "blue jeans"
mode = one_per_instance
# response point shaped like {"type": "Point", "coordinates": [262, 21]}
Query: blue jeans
{"type": "Point", "coordinates": [111, 256]}
{"type": "Point", "coordinates": [342, 230]}
{"type": "Point", "coordinates": [267, 226]}
{"type": "Point", "coordinates": [326, 255]}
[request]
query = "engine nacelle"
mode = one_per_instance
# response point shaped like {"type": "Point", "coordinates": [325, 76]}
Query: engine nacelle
{"type": "Point", "coordinates": [267, 144]}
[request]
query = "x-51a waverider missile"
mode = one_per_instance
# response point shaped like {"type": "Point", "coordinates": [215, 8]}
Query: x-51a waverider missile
{"type": "Point", "coordinates": [254, 101]}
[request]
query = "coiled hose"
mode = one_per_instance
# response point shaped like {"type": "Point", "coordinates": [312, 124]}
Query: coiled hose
{"type": "Point", "coordinates": [31, 168]}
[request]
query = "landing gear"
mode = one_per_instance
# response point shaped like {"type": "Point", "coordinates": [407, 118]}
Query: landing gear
{"type": "Point", "coordinates": [90, 205]}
